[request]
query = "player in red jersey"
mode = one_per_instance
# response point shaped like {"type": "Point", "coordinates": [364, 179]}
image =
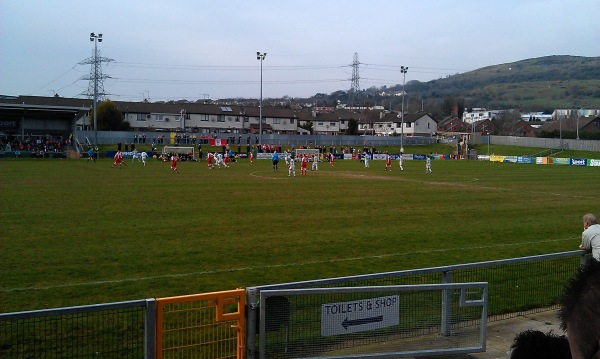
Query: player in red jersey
{"type": "Point", "coordinates": [251, 155]}
{"type": "Point", "coordinates": [303, 165]}
{"type": "Point", "coordinates": [209, 159]}
{"type": "Point", "coordinates": [174, 163]}
{"type": "Point", "coordinates": [118, 159]}
{"type": "Point", "coordinates": [388, 161]}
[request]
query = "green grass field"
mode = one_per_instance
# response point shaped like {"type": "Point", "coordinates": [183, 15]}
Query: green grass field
{"type": "Point", "coordinates": [76, 233]}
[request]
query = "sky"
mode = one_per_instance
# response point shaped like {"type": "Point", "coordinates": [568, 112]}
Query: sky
{"type": "Point", "coordinates": [196, 49]}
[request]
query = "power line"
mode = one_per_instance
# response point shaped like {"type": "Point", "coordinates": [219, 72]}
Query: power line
{"type": "Point", "coordinates": [224, 67]}
{"type": "Point", "coordinates": [69, 70]}
{"type": "Point", "coordinates": [223, 82]}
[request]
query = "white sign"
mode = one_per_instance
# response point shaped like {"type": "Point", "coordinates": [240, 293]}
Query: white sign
{"type": "Point", "coordinates": [359, 315]}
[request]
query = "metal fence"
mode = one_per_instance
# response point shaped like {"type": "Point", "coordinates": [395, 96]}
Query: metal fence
{"type": "Point", "coordinates": [125, 137]}
{"type": "Point", "coordinates": [114, 330]}
{"type": "Point", "coordinates": [516, 286]}
{"type": "Point", "coordinates": [209, 325]}
{"type": "Point", "coordinates": [215, 325]}
{"type": "Point", "coordinates": [390, 321]}
{"type": "Point", "coordinates": [571, 144]}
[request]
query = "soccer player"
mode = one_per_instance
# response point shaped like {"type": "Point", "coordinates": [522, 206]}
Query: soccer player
{"type": "Point", "coordinates": [134, 155]}
{"type": "Point", "coordinates": [286, 156]}
{"type": "Point", "coordinates": [219, 158]}
{"type": "Point", "coordinates": [303, 163]}
{"type": "Point", "coordinates": [428, 164]}
{"type": "Point", "coordinates": [210, 157]}
{"type": "Point", "coordinates": [291, 167]}
{"type": "Point", "coordinates": [226, 161]}
{"type": "Point", "coordinates": [315, 164]}
{"type": "Point", "coordinates": [144, 155]}
{"type": "Point", "coordinates": [251, 156]}
{"type": "Point", "coordinates": [174, 163]}
{"type": "Point", "coordinates": [90, 153]}
{"type": "Point", "coordinates": [401, 161]}
{"type": "Point", "coordinates": [331, 158]}
{"type": "Point", "coordinates": [366, 157]}
{"type": "Point", "coordinates": [388, 161]}
{"type": "Point", "coordinates": [118, 159]}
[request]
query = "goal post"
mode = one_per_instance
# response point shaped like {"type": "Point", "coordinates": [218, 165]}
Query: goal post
{"type": "Point", "coordinates": [177, 150]}
{"type": "Point", "coordinates": [311, 152]}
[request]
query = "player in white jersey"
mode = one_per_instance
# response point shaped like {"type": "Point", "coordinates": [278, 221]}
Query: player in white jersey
{"type": "Point", "coordinates": [286, 157]}
{"type": "Point", "coordinates": [366, 157]}
{"type": "Point", "coordinates": [219, 160]}
{"type": "Point", "coordinates": [428, 164]}
{"type": "Point", "coordinates": [134, 155]}
{"type": "Point", "coordinates": [291, 167]}
{"type": "Point", "coordinates": [144, 155]}
{"type": "Point", "coordinates": [401, 161]}
{"type": "Point", "coordinates": [315, 164]}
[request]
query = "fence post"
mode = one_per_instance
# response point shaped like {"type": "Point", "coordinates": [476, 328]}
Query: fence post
{"type": "Point", "coordinates": [446, 305]}
{"type": "Point", "coordinates": [584, 258]}
{"type": "Point", "coordinates": [150, 329]}
{"type": "Point", "coordinates": [252, 305]}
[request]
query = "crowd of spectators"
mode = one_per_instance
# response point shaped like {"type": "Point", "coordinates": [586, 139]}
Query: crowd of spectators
{"type": "Point", "coordinates": [34, 146]}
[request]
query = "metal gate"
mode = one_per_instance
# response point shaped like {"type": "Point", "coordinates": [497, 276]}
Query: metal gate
{"type": "Point", "coordinates": [209, 325]}
{"type": "Point", "coordinates": [373, 321]}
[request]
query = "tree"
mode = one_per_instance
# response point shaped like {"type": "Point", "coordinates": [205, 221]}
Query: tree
{"type": "Point", "coordinates": [308, 126]}
{"type": "Point", "coordinates": [352, 127]}
{"type": "Point", "coordinates": [448, 106]}
{"type": "Point", "coordinates": [110, 118]}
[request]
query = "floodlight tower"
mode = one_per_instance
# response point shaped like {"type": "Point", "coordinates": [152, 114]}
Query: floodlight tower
{"type": "Point", "coordinates": [260, 57]}
{"type": "Point", "coordinates": [403, 70]}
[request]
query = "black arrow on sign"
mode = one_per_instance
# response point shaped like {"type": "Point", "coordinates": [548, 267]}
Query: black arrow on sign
{"type": "Point", "coordinates": [347, 323]}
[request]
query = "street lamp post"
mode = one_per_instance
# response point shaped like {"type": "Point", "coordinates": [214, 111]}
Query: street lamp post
{"type": "Point", "coordinates": [578, 116]}
{"type": "Point", "coordinates": [96, 39]}
{"type": "Point", "coordinates": [560, 131]}
{"type": "Point", "coordinates": [488, 140]}
{"type": "Point", "coordinates": [403, 70]}
{"type": "Point", "coordinates": [260, 57]}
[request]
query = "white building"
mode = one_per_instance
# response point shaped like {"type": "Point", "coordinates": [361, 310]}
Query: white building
{"type": "Point", "coordinates": [480, 114]}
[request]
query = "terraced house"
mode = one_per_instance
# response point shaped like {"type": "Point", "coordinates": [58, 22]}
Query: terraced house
{"type": "Point", "coordinates": [207, 118]}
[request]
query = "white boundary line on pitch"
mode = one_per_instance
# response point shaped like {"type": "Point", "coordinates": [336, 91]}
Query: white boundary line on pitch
{"type": "Point", "coordinates": [118, 281]}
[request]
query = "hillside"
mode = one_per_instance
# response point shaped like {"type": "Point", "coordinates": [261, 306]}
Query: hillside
{"type": "Point", "coordinates": [534, 84]}
{"type": "Point", "coordinates": [538, 84]}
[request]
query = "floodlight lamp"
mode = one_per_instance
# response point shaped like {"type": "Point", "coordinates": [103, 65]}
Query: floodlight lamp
{"type": "Point", "coordinates": [92, 34]}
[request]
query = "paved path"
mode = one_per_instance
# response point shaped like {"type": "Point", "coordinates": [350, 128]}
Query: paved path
{"type": "Point", "coordinates": [500, 334]}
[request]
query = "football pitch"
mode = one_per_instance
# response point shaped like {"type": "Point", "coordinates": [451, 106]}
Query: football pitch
{"type": "Point", "coordinates": [75, 232]}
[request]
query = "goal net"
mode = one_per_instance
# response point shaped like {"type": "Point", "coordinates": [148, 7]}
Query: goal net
{"type": "Point", "coordinates": [184, 153]}
{"type": "Point", "coordinates": [311, 152]}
